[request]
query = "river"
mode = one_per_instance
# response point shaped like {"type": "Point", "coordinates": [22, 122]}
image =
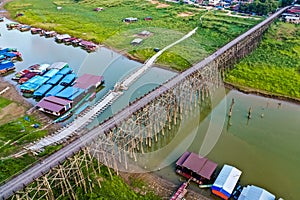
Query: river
{"type": "Point", "coordinates": [265, 148]}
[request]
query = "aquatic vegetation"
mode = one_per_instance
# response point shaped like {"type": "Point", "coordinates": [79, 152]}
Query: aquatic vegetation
{"type": "Point", "coordinates": [275, 65]}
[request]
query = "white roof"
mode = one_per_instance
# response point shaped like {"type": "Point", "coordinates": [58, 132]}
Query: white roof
{"type": "Point", "coordinates": [227, 178]}
{"type": "Point", "coordinates": [252, 192]}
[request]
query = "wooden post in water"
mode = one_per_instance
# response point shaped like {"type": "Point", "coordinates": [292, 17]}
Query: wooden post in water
{"type": "Point", "coordinates": [249, 113]}
{"type": "Point", "coordinates": [231, 107]}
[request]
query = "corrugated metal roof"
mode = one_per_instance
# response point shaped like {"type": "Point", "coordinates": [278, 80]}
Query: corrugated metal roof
{"type": "Point", "coordinates": [68, 79]}
{"type": "Point", "coordinates": [70, 93]}
{"type": "Point", "coordinates": [87, 80]}
{"type": "Point", "coordinates": [42, 90]}
{"type": "Point", "coordinates": [56, 89]}
{"type": "Point", "coordinates": [51, 73]}
{"type": "Point", "coordinates": [64, 71]}
{"type": "Point", "coordinates": [6, 64]}
{"type": "Point", "coordinates": [52, 103]}
{"type": "Point", "coordinates": [227, 179]}
{"type": "Point", "coordinates": [252, 192]}
{"type": "Point", "coordinates": [55, 79]}
{"type": "Point", "coordinates": [197, 164]}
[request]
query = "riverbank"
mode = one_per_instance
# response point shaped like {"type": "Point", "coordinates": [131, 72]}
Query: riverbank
{"type": "Point", "coordinates": [248, 90]}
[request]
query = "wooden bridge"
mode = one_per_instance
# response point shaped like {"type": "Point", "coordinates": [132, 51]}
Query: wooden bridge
{"type": "Point", "coordinates": [127, 134]}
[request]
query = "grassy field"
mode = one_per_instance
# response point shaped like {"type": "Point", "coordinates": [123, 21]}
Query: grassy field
{"type": "Point", "coordinates": [13, 136]}
{"type": "Point", "coordinates": [274, 66]}
{"type": "Point", "coordinates": [78, 19]}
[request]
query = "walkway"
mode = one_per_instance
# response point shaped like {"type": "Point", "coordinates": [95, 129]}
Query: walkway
{"type": "Point", "coordinates": [86, 118]}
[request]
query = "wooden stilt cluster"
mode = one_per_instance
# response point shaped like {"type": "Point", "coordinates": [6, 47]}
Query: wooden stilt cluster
{"type": "Point", "coordinates": [126, 137]}
{"type": "Point", "coordinates": [62, 180]}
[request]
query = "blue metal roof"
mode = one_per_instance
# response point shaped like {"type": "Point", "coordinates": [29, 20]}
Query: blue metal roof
{"type": "Point", "coordinates": [6, 64]}
{"type": "Point", "coordinates": [55, 79]}
{"type": "Point", "coordinates": [68, 79]}
{"type": "Point", "coordinates": [34, 83]}
{"type": "Point", "coordinates": [70, 93]}
{"type": "Point", "coordinates": [54, 90]}
{"type": "Point", "coordinates": [51, 73]}
{"type": "Point", "coordinates": [65, 70]}
{"type": "Point", "coordinates": [42, 90]}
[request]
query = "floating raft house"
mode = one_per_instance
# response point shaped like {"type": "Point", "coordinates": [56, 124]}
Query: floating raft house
{"type": "Point", "coordinates": [34, 83]}
{"type": "Point", "coordinates": [51, 73]}
{"type": "Point", "coordinates": [42, 90]}
{"type": "Point", "coordinates": [6, 65]}
{"type": "Point", "coordinates": [64, 71]}
{"type": "Point", "coordinates": [252, 192]}
{"type": "Point", "coordinates": [53, 105]}
{"type": "Point", "coordinates": [40, 69]}
{"type": "Point", "coordinates": [55, 79]}
{"type": "Point", "coordinates": [55, 90]}
{"type": "Point", "coordinates": [68, 80]}
{"type": "Point", "coordinates": [59, 65]}
{"type": "Point", "coordinates": [87, 81]}
{"type": "Point", "coordinates": [191, 165]}
{"type": "Point", "coordinates": [71, 93]}
{"type": "Point", "coordinates": [226, 181]}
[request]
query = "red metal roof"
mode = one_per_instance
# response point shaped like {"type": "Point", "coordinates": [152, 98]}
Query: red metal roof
{"type": "Point", "coordinates": [53, 103]}
{"type": "Point", "coordinates": [197, 164]}
{"type": "Point", "coordinates": [87, 80]}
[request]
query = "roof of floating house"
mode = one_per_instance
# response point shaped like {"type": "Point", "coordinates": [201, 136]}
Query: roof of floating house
{"type": "Point", "coordinates": [34, 83]}
{"type": "Point", "coordinates": [197, 164]}
{"type": "Point", "coordinates": [68, 79]}
{"type": "Point", "coordinates": [59, 65]}
{"type": "Point", "coordinates": [70, 93]}
{"type": "Point", "coordinates": [56, 89]}
{"type": "Point", "coordinates": [55, 79]}
{"type": "Point", "coordinates": [63, 36]}
{"type": "Point", "coordinates": [51, 73]}
{"type": "Point", "coordinates": [6, 64]}
{"type": "Point", "coordinates": [87, 80]}
{"type": "Point", "coordinates": [87, 43]}
{"type": "Point", "coordinates": [53, 103]}
{"type": "Point", "coordinates": [252, 192]}
{"type": "Point", "coordinates": [9, 54]}
{"type": "Point", "coordinates": [226, 181]}
{"type": "Point", "coordinates": [42, 90]}
{"type": "Point", "coordinates": [64, 71]}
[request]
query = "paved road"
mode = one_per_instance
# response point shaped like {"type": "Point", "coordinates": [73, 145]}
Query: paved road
{"type": "Point", "coordinates": [18, 182]}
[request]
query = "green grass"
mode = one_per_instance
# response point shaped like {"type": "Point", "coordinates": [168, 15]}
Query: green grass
{"type": "Point", "coordinates": [11, 166]}
{"type": "Point", "coordinates": [115, 188]}
{"type": "Point", "coordinates": [106, 27]}
{"type": "Point", "coordinates": [275, 65]}
{"type": "Point", "coordinates": [4, 102]}
{"type": "Point", "coordinates": [18, 133]}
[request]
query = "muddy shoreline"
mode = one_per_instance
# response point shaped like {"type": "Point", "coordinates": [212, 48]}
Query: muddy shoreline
{"type": "Point", "coordinates": [248, 90]}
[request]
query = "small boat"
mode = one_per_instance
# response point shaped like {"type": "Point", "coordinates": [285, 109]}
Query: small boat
{"type": "Point", "coordinates": [64, 117]}
{"type": "Point", "coordinates": [88, 46]}
{"type": "Point", "coordinates": [23, 28]}
{"type": "Point", "coordinates": [48, 34]}
{"type": "Point", "coordinates": [12, 25]}
{"type": "Point", "coordinates": [69, 41]}
{"type": "Point", "coordinates": [20, 74]}
{"type": "Point", "coordinates": [36, 30]}
{"type": "Point", "coordinates": [181, 191]}
{"type": "Point", "coordinates": [26, 77]}
{"type": "Point", "coordinates": [76, 42]}
{"type": "Point", "coordinates": [59, 38]}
